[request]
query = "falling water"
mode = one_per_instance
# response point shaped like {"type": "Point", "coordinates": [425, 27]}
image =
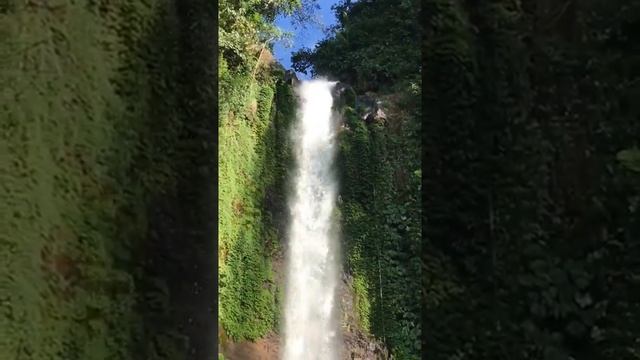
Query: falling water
{"type": "Point", "coordinates": [310, 328]}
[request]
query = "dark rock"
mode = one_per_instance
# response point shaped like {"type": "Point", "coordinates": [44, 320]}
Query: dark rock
{"type": "Point", "coordinates": [343, 95]}
{"type": "Point", "coordinates": [291, 78]}
{"type": "Point", "coordinates": [369, 108]}
{"type": "Point", "coordinates": [357, 344]}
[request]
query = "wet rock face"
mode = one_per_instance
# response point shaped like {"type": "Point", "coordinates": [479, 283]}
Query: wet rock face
{"type": "Point", "coordinates": [291, 78]}
{"type": "Point", "coordinates": [356, 344]}
{"type": "Point", "coordinates": [267, 348]}
{"type": "Point", "coordinates": [370, 108]}
{"type": "Point", "coordinates": [343, 96]}
{"type": "Point", "coordinates": [361, 348]}
{"type": "Point", "coordinates": [341, 89]}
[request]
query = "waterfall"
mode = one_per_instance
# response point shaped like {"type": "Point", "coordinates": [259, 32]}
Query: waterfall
{"type": "Point", "coordinates": [311, 330]}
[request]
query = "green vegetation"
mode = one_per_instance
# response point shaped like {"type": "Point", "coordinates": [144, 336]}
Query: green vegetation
{"type": "Point", "coordinates": [255, 114]}
{"type": "Point", "coordinates": [379, 164]}
{"type": "Point", "coordinates": [630, 158]}
{"type": "Point", "coordinates": [253, 138]}
{"type": "Point", "coordinates": [93, 128]}
{"type": "Point", "coordinates": [531, 225]}
{"type": "Point", "coordinates": [107, 157]}
{"type": "Point", "coordinates": [380, 207]}
{"type": "Point", "coordinates": [364, 47]}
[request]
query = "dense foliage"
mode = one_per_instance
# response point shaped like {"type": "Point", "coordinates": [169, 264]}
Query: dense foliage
{"type": "Point", "coordinates": [373, 45]}
{"type": "Point", "coordinates": [255, 154]}
{"type": "Point", "coordinates": [531, 225]}
{"type": "Point", "coordinates": [380, 210]}
{"type": "Point", "coordinates": [94, 128]}
{"type": "Point", "coordinates": [256, 109]}
{"type": "Point", "coordinates": [247, 24]}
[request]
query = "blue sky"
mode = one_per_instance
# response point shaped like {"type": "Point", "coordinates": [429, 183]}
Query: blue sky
{"type": "Point", "coordinates": [307, 37]}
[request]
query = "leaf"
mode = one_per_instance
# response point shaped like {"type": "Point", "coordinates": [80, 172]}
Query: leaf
{"type": "Point", "coordinates": [583, 300]}
{"type": "Point", "coordinates": [630, 159]}
{"type": "Point", "coordinates": [596, 334]}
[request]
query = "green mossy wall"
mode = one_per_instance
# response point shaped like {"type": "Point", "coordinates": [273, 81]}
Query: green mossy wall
{"type": "Point", "coordinates": [379, 168]}
{"type": "Point", "coordinates": [94, 127]}
{"type": "Point", "coordinates": [254, 161]}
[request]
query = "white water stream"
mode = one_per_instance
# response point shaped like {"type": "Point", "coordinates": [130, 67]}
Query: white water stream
{"type": "Point", "coordinates": [311, 330]}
